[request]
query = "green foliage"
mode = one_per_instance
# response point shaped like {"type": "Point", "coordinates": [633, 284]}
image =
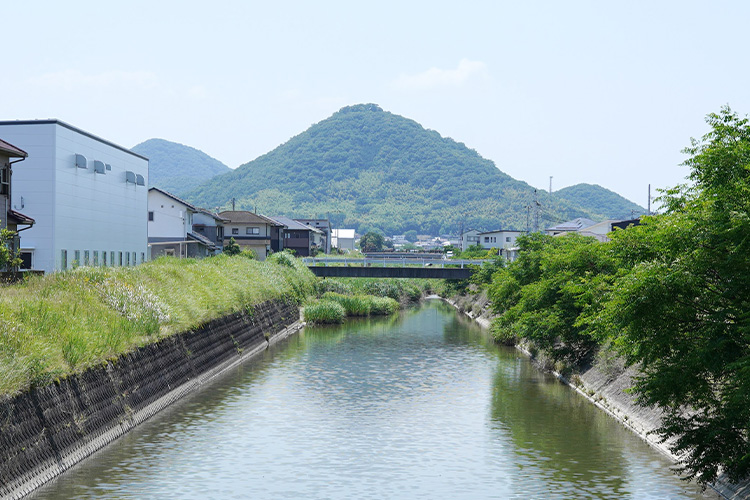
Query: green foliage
{"type": "Point", "coordinates": [232, 248]}
{"type": "Point", "coordinates": [7, 258]}
{"type": "Point", "coordinates": [372, 242]}
{"type": "Point", "coordinates": [285, 258]}
{"type": "Point", "coordinates": [371, 169]}
{"type": "Point", "coordinates": [682, 312]}
{"type": "Point", "coordinates": [177, 168]}
{"type": "Point", "coordinates": [324, 311]}
{"type": "Point", "coordinates": [63, 323]}
{"type": "Point", "coordinates": [411, 236]}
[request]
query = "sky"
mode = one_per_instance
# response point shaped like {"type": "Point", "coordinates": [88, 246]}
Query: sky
{"type": "Point", "coordinates": [604, 93]}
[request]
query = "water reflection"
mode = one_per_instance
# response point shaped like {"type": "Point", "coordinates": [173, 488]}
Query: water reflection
{"type": "Point", "coordinates": [419, 405]}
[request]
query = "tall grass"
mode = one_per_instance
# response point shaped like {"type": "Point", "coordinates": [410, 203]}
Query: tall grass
{"type": "Point", "coordinates": [63, 323]}
{"type": "Point", "coordinates": [324, 311]}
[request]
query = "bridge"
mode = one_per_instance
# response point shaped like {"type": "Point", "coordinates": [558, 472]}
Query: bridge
{"type": "Point", "coordinates": [399, 267]}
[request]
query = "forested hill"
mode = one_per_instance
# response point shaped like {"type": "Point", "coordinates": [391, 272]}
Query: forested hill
{"type": "Point", "coordinates": [370, 169]}
{"type": "Point", "coordinates": [604, 200]}
{"type": "Point", "coordinates": [177, 168]}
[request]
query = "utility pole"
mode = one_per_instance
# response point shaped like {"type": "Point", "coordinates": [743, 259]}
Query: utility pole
{"type": "Point", "coordinates": [536, 211]}
{"type": "Point", "coordinates": [649, 199]}
{"type": "Point", "coordinates": [550, 185]}
{"type": "Point", "coordinates": [528, 218]}
{"type": "Point", "coordinates": [233, 204]}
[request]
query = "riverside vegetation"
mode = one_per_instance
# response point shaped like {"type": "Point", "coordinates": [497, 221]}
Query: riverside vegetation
{"type": "Point", "coordinates": [670, 296]}
{"type": "Point", "coordinates": [64, 323]}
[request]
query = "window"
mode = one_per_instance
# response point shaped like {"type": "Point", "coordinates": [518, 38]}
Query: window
{"type": "Point", "coordinates": [235, 230]}
{"type": "Point", "coordinates": [119, 258]}
{"type": "Point", "coordinates": [507, 239]}
{"type": "Point", "coordinates": [252, 230]}
{"type": "Point", "coordinates": [96, 257]}
{"type": "Point", "coordinates": [112, 258]}
{"type": "Point", "coordinates": [104, 258]}
{"type": "Point", "coordinates": [127, 258]}
{"type": "Point", "coordinates": [76, 258]}
{"type": "Point", "coordinates": [5, 180]}
{"type": "Point", "coordinates": [151, 216]}
{"type": "Point", "coordinates": [143, 257]}
{"type": "Point", "coordinates": [63, 259]}
{"type": "Point", "coordinates": [486, 239]}
{"type": "Point", "coordinates": [134, 261]}
{"type": "Point", "coordinates": [85, 257]}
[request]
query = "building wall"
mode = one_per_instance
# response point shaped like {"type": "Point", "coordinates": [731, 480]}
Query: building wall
{"type": "Point", "coordinates": [172, 219]}
{"type": "Point", "coordinates": [77, 209]}
{"type": "Point", "coordinates": [499, 239]}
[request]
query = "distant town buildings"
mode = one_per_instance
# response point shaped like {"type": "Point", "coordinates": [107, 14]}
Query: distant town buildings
{"type": "Point", "coordinates": [87, 196]}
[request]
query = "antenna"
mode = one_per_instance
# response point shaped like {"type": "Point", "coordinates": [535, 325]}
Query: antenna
{"type": "Point", "coordinates": [233, 204]}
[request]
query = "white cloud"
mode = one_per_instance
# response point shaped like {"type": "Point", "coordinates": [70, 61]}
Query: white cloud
{"type": "Point", "coordinates": [72, 79]}
{"type": "Point", "coordinates": [436, 77]}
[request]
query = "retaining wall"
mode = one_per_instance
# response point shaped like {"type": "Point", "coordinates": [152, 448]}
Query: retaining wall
{"type": "Point", "coordinates": [47, 430]}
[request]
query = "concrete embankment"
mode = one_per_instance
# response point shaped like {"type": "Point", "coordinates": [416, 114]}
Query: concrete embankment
{"type": "Point", "coordinates": [47, 430]}
{"type": "Point", "coordinates": [605, 385]}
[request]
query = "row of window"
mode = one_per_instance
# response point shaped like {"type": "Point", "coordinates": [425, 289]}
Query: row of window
{"type": "Point", "coordinates": [493, 239]}
{"type": "Point", "coordinates": [248, 230]}
{"type": "Point", "coordinates": [96, 258]}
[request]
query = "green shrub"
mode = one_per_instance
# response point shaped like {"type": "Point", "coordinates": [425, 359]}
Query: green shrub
{"type": "Point", "coordinates": [330, 285]}
{"type": "Point", "coordinates": [355, 305]}
{"type": "Point", "coordinates": [324, 311]}
{"type": "Point", "coordinates": [382, 306]}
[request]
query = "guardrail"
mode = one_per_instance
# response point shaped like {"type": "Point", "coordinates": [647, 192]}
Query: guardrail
{"type": "Point", "coordinates": [400, 262]}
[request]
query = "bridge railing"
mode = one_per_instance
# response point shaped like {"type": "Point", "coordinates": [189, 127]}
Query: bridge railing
{"type": "Point", "coordinates": [383, 262]}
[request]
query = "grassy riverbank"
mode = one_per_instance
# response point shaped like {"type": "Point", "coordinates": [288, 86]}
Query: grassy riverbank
{"type": "Point", "coordinates": [66, 322]}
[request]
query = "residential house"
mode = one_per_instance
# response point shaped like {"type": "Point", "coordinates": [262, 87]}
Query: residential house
{"type": "Point", "coordinates": [469, 238]}
{"type": "Point", "coordinates": [325, 226]}
{"type": "Point", "coordinates": [303, 239]}
{"type": "Point", "coordinates": [343, 239]}
{"type": "Point", "coordinates": [572, 225]}
{"type": "Point", "coordinates": [170, 227]}
{"type": "Point", "coordinates": [87, 196]}
{"type": "Point", "coordinates": [504, 241]}
{"type": "Point", "coordinates": [251, 231]}
{"type": "Point", "coordinates": [210, 226]}
{"type": "Point", "coordinates": [9, 218]}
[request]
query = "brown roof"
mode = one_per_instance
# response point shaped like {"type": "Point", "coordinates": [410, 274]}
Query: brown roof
{"type": "Point", "coordinates": [11, 150]}
{"type": "Point", "coordinates": [243, 216]}
{"type": "Point", "coordinates": [19, 218]}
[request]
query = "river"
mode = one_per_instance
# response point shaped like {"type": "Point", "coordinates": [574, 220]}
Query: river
{"type": "Point", "coordinates": [418, 405]}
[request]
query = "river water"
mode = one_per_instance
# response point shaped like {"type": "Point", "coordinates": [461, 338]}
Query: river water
{"type": "Point", "coordinates": [419, 405]}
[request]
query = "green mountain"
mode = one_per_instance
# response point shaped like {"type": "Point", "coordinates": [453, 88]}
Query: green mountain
{"type": "Point", "coordinates": [370, 169]}
{"type": "Point", "coordinates": [177, 168]}
{"type": "Point", "coordinates": [602, 199]}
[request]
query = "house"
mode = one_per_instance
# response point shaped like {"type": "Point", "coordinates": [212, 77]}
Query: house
{"type": "Point", "coordinates": [303, 239]}
{"type": "Point", "coordinates": [572, 225]}
{"type": "Point", "coordinates": [87, 196]}
{"type": "Point", "coordinates": [9, 218]}
{"type": "Point", "coordinates": [598, 230]}
{"type": "Point", "coordinates": [251, 231]}
{"type": "Point", "coordinates": [325, 226]}
{"type": "Point", "coordinates": [498, 239]}
{"type": "Point", "coordinates": [469, 238]}
{"type": "Point", "coordinates": [170, 227]}
{"type": "Point", "coordinates": [210, 226]}
{"type": "Point", "coordinates": [343, 239]}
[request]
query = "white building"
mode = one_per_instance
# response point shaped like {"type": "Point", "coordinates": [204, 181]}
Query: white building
{"type": "Point", "coordinates": [87, 195]}
{"type": "Point", "coordinates": [170, 227]}
{"type": "Point", "coordinates": [469, 238]}
{"type": "Point", "coordinates": [343, 239]}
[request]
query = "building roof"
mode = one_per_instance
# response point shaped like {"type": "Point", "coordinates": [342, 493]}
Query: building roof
{"type": "Point", "coordinates": [343, 233]}
{"type": "Point", "coordinates": [243, 216]}
{"type": "Point", "coordinates": [175, 198]}
{"type": "Point", "coordinates": [293, 225]}
{"type": "Point", "coordinates": [11, 150]}
{"type": "Point", "coordinates": [19, 218]}
{"type": "Point", "coordinates": [212, 214]}
{"type": "Point", "coordinates": [202, 239]}
{"type": "Point", "coordinates": [500, 231]}
{"type": "Point", "coordinates": [573, 225]}
{"type": "Point", "coordinates": [74, 129]}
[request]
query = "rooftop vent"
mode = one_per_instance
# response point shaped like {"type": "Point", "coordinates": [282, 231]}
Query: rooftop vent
{"type": "Point", "coordinates": [130, 176]}
{"type": "Point", "coordinates": [139, 180]}
{"type": "Point", "coordinates": [108, 166]}
{"type": "Point", "coordinates": [98, 167]}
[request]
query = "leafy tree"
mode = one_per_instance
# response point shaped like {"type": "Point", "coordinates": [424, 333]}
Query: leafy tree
{"type": "Point", "coordinates": [7, 257]}
{"type": "Point", "coordinates": [411, 235]}
{"type": "Point", "coordinates": [232, 248]}
{"type": "Point", "coordinates": [682, 312]}
{"type": "Point", "coordinates": [372, 242]}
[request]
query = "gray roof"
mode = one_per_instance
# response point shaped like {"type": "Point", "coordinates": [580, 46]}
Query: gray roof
{"type": "Point", "coordinates": [175, 198]}
{"type": "Point", "coordinates": [573, 225]}
{"type": "Point", "coordinates": [295, 225]}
